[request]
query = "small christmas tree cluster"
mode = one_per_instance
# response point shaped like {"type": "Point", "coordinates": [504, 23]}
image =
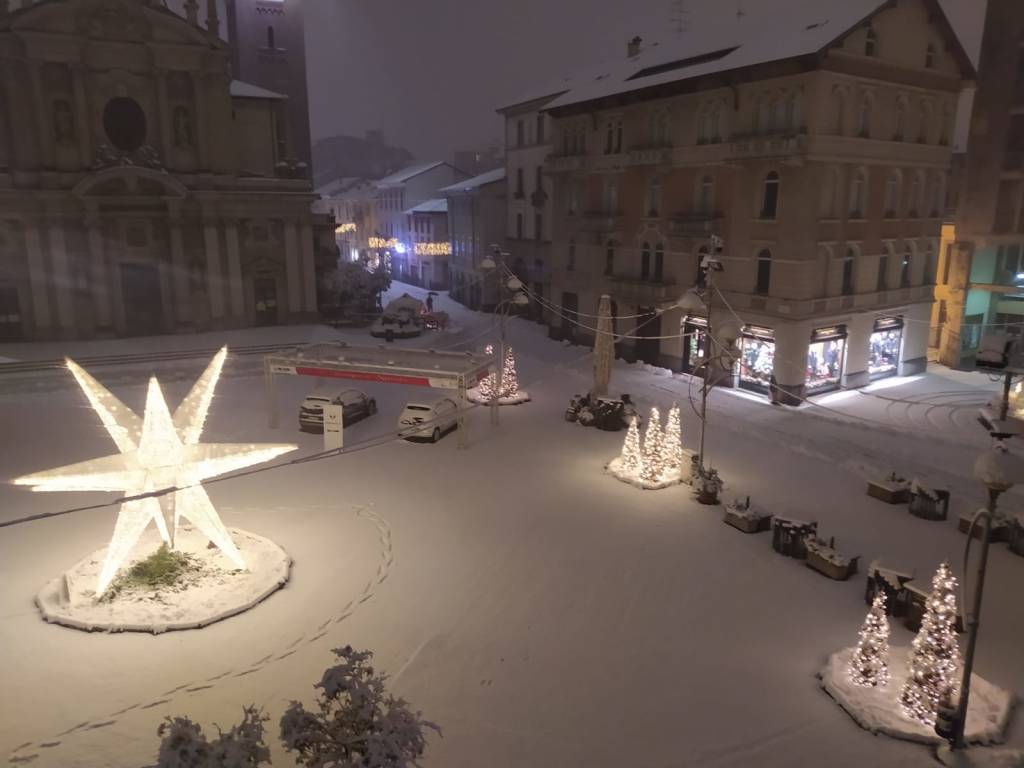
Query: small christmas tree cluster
{"type": "Point", "coordinates": [932, 674]}
{"type": "Point", "coordinates": [488, 387]}
{"type": "Point", "coordinates": [935, 661]}
{"type": "Point", "coordinates": [869, 665]}
{"type": "Point", "coordinates": [659, 458]}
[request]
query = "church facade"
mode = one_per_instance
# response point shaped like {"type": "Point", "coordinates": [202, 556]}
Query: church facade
{"type": "Point", "coordinates": [142, 190]}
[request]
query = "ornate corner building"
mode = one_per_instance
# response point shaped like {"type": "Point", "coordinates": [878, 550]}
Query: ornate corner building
{"type": "Point", "coordinates": [142, 190]}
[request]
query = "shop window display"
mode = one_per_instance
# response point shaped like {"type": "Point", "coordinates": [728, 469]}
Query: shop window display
{"type": "Point", "coordinates": [825, 358]}
{"type": "Point", "coordinates": [884, 354]}
{"type": "Point", "coordinates": [696, 342]}
{"type": "Point", "coordinates": [757, 357]}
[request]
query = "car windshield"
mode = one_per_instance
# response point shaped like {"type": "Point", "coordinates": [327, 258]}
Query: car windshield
{"type": "Point", "coordinates": [350, 396]}
{"type": "Point", "coordinates": [317, 399]}
{"type": "Point", "coordinates": [417, 407]}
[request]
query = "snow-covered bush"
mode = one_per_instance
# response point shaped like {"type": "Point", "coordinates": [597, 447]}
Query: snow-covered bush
{"type": "Point", "coordinates": [356, 722]}
{"type": "Point", "coordinates": [183, 744]}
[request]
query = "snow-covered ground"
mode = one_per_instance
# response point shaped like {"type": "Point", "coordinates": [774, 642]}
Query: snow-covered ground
{"type": "Point", "coordinates": [543, 613]}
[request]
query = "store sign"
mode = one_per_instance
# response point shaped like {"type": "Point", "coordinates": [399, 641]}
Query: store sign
{"type": "Point", "coordinates": [380, 242]}
{"type": "Point", "coordinates": [334, 426]}
{"type": "Point", "coordinates": [831, 332]}
{"type": "Point", "coordinates": [888, 323]}
{"type": "Point", "coordinates": [432, 249]}
{"type": "Point", "coordinates": [758, 332]}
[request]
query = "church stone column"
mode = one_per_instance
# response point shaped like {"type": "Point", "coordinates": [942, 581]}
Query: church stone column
{"type": "Point", "coordinates": [214, 270]}
{"type": "Point", "coordinates": [100, 274]}
{"type": "Point", "coordinates": [308, 266]}
{"type": "Point", "coordinates": [164, 117]}
{"type": "Point", "coordinates": [293, 267]}
{"type": "Point", "coordinates": [202, 134]}
{"type": "Point", "coordinates": [179, 274]}
{"type": "Point", "coordinates": [61, 276]}
{"type": "Point", "coordinates": [82, 122]}
{"type": "Point", "coordinates": [37, 278]}
{"type": "Point", "coordinates": [235, 284]}
{"type": "Point", "coordinates": [43, 132]}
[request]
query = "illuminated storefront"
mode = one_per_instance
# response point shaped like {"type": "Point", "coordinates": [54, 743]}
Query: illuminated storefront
{"type": "Point", "coordinates": [825, 357]}
{"type": "Point", "coordinates": [757, 358]}
{"type": "Point", "coordinates": [695, 342]}
{"type": "Point", "coordinates": [884, 349]}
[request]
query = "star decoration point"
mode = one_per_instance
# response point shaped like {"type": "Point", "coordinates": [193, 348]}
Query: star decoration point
{"type": "Point", "coordinates": [159, 452]}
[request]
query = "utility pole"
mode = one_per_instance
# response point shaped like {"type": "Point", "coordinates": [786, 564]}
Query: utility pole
{"type": "Point", "coordinates": [710, 264]}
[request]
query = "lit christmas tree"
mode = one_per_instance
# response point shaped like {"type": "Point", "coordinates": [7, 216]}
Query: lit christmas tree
{"type": "Point", "coordinates": [631, 459]}
{"type": "Point", "coordinates": [654, 449]}
{"type": "Point", "coordinates": [673, 441]}
{"type": "Point", "coordinates": [488, 384]}
{"type": "Point", "coordinates": [936, 656]}
{"type": "Point", "coordinates": [869, 665]}
{"type": "Point", "coordinates": [509, 378]}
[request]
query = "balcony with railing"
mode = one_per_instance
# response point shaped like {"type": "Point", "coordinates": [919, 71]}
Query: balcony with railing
{"type": "Point", "coordinates": [695, 224]}
{"type": "Point", "coordinates": [809, 308]}
{"type": "Point", "coordinates": [642, 291]}
{"type": "Point", "coordinates": [565, 163]}
{"type": "Point", "coordinates": [601, 221]}
{"type": "Point", "coordinates": [649, 154]}
{"type": "Point", "coordinates": [751, 145]}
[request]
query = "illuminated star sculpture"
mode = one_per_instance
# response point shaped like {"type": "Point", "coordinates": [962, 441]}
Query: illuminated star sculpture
{"type": "Point", "coordinates": [156, 452]}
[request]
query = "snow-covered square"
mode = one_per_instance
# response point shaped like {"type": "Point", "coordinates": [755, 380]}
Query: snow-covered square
{"type": "Point", "coordinates": [541, 612]}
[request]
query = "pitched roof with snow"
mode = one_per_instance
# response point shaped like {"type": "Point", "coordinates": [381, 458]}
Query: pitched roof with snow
{"type": "Point", "coordinates": [437, 205]}
{"type": "Point", "coordinates": [784, 29]}
{"type": "Point", "coordinates": [498, 174]}
{"type": "Point", "coordinates": [409, 172]}
{"type": "Point", "coordinates": [245, 90]}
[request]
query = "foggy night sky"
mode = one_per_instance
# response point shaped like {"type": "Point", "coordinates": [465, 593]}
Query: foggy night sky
{"type": "Point", "coordinates": [430, 73]}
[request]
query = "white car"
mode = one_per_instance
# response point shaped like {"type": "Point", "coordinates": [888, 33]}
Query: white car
{"type": "Point", "coordinates": [355, 405]}
{"type": "Point", "coordinates": [440, 417]}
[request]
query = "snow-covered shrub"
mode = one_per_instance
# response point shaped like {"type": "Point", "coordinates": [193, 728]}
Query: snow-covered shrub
{"type": "Point", "coordinates": [356, 722]}
{"type": "Point", "coordinates": [183, 744]}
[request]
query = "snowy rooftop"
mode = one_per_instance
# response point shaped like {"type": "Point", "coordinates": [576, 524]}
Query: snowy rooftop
{"type": "Point", "coordinates": [436, 205]}
{"type": "Point", "coordinates": [243, 90]}
{"type": "Point", "coordinates": [785, 30]}
{"type": "Point", "coordinates": [398, 177]}
{"type": "Point", "coordinates": [490, 177]}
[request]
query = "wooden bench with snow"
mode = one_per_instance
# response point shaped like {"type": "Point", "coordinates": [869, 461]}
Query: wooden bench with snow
{"type": "Point", "coordinates": [892, 489]}
{"type": "Point", "coordinates": [827, 560]}
{"type": "Point", "coordinates": [789, 536]}
{"type": "Point", "coordinates": [746, 517]}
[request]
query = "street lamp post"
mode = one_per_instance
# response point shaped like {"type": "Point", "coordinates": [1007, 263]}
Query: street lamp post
{"type": "Point", "coordinates": [497, 263]}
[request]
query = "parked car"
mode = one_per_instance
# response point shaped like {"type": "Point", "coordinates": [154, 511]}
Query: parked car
{"type": "Point", "coordinates": [442, 418]}
{"type": "Point", "coordinates": [355, 405]}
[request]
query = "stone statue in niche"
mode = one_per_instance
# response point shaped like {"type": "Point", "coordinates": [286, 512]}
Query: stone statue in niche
{"type": "Point", "coordinates": [182, 128]}
{"type": "Point", "coordinates": [63, 122]}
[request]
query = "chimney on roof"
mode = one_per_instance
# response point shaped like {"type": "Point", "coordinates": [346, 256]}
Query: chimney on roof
{"type": "Point", "coordinates": [633, 47]}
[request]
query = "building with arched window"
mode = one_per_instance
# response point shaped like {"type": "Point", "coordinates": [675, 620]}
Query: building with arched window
{"type": "Point", "coordinates": [783, 153]}
{"type": "Point", "coordinates": [174, 200]}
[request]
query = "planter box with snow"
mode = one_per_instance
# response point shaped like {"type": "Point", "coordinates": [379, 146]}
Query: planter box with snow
{"type": "Point", "coordinates": [892, 583]}
{"type": "Point", "coordinates": [929, 503]}
{"type": "Point", "coordinates": [1017, 536]}
{"type": "Point", "coordinates": [749, 519]}
{"type": "Point", "coordinates": [827, 560]}
{"type": "Point", "coordinates": [891, 490]}
{"type": "Point", "coordinates": [1000, 530]}
{"type": "Point", "coordinates": [789, 536]}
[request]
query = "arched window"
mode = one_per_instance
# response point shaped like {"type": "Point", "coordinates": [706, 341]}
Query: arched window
{"type": "Point", "coordinates": [571, 261]}
{"type": "Point", "coordinates": [659, 262]}
{"type": "Point", "coordinates": [839, 112]}
{"type": "Point", "coordinates": [864, 119]}
{"type": "Point", "coordinates": [270, 38]}
{"type": "Point", "coordinates": [829, 188]}
{"type": "Point", "coordinates": [654, 197]}
{"type": "Point", "coordinates": [858, 192]}
{"type": "Point", "coordinates": [905, 269]}
{"type": "Point", "coordinates": [779, 122]}
{"type": "Point", "coordinates": [929, 265]}
{"type": "Point", "coordinates": [618, 135]}
{"type": "Point", "coordinates": [770, 197]}
{"type": "Point", "coordinates": [929, 56]}
{"type": "Point", "coordinates": [847, 287]}
{"type": "Point", "coordinates": [716, 134]}
{"type": "Point", "coordinates": [764, 273]}
{"type": "Point", "coordinates": [946, 129]}
{"type": "Point", "coordinates": [925, 124]}
{"type": "Point", "coordinates": [609, 137]}
{"type": "Point", "coordinates": [901, 122]}
{"type": "Point", "coordinates": [914, 201]}
{"type": "Point", "coordinates": [706, 195]}
{"type": "Point", "coordinates": [755, 116]}
{"type": "Point", "coordinates": [882, 283]}
{"type": "Point", "coordinates": [609, 257]}
{"type": "Point", "coordinates": [892, 195]}
{"type": "Point", "coordinates": [765, 114]}
{"type": "Point", "coordinates": [645, 261]}
{"type": "Point", "coordinates": [793, 116]}
{"type": "Point", "coordinates": [704, 129]}
{"type": "Point", "coordinates": [871, 43]}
